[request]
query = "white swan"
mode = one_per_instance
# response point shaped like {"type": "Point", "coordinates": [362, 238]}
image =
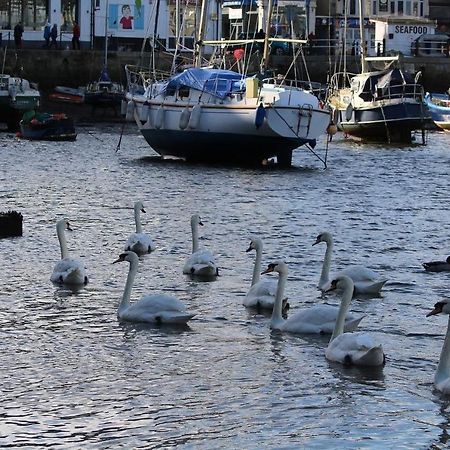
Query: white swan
{"type": "Point", "coordinates": [261, 294]}
{"type": "Point", "coordinates": [365, 280]}
{"type": "Point", "coordinates": [159, 308]}
{"type": "Point", "coordinates": [359, 349]}
{"type": "Point", "coordinates": [139, 242]}
{"type": "Point", "coordinates": [442, 375]}
{"type": "Point", "coordinates": [68, 270]}
{"type": "Point", "coordinates": [317, 319]}
{"type": "Point", "coordinates": [201, 262]}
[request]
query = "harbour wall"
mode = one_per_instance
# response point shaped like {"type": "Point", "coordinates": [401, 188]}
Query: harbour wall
{"type": "Point", "coordinates": [71, 68]}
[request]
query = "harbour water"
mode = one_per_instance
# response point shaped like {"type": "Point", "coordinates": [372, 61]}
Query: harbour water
{"type": "Point", "coordinates": [74, 377]}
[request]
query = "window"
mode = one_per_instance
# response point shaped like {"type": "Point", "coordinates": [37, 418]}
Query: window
{"type": "Point", "coordinates": [392, 7]}
{"type": "Point", "coordinates": [415, 9]}
{"type": "Point", "coordinates": [408, 8]}
{"type": "Point", "coordinates": [352, 7]}
{"type": "Point", "coordinates": [400, 8]}
{"type": "Point", "coordinates": [188, 24]}
{"type": "Point", "coordinates": [374, 8]}
{"type": "Point", "coordinates": [69, 14]}
{"type": "Point", "coordinates": [32, 13]}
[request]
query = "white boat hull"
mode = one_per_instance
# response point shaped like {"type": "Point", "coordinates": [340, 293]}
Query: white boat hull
{"type": "Point", "coordinates": [228, 132]}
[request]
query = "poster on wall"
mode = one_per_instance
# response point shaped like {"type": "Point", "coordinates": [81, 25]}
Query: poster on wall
{"type": "Point", "coordinates": [126, 19]}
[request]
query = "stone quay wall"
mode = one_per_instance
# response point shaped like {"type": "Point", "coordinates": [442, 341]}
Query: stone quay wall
{"type": "Point", "coordinates": [50, 68]}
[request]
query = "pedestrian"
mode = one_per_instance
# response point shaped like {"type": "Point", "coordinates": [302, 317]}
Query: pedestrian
{"type": "Point", "coordinates": [18, 32]}
{"type": "Point", "coordinates": [76, 36]}
{"type": "Point", "coordinates": [47, 35]}
{"type": "Point", "coordinates": [54, 36]}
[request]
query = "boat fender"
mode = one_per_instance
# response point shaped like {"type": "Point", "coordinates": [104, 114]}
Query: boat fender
{"type": "Point", "coordinates": [349, 112]}
{"type": "Point", "coordinates": [184, 118]}
{"type": "Point", "coordinates": [195, 117]}
{"type": "Point", "coordinates": [144, 113]}
{"type": "Point", "coordinates": [148, 118]}
{"type": "Point", "coordinates": [130, 111]}
{"type": "Point", "coordinates": [159, 119]}
{"type": "Point", "coordinates": [260, 114]}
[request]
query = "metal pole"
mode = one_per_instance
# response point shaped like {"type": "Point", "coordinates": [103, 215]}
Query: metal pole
{"type": "Point", "coordinates": [363, 41]}
{"type": "Point", "coordinates": [265, 60]}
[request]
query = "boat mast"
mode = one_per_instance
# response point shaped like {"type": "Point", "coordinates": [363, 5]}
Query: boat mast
{"type": "Point", "coordinates": [363, 42]}
{"type": "Point", "coordinates": [200, 36]}
{"type": "Point", "coordinates": [106, 36]}
{"type": "Point", "coordinates": [265, 59]}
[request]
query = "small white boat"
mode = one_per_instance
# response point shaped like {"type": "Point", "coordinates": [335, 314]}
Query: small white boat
{"type": "Point", "coordinates": [439, 107]}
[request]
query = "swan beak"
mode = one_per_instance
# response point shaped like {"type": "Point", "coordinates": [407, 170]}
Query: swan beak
{"type": "Point", "coordinates": [200, 223]}
{"type": "Point", "coordinates": [317, 242]}
{"type": "Point", "coordinates": [268, 270]}
{"type": "Point", "coordinates": [69, 227]}
{"type": "Point", "coordinates": [332, 287]}
{"type": "Point", "coordinates": [143, 210]}
{"type": "Point", "coordinates": [249, 249]}
{"type": "Point", "coordinates": [437, 309]}
{"type": "Point", "coordinates": [120, 258]}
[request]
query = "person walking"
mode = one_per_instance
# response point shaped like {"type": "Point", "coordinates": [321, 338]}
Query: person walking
{"type": "Point", "coordinates": [54, 36]}
{"type": "Point", "coordinates": [76, 36]}
{"type": "Point", "coordinates": [47, 35]}
{"type": "Point", "coordinates": [18, 32]}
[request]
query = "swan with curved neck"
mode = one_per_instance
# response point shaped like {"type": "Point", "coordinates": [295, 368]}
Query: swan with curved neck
{"type": "Point", "coordinates": [365, 280]}
{"type": "Point", "coordinates": [201, 262]}
{"type": "Point", "coordinates": [139, 242]}
{"type": "Point", "coordinates": [437, 266]}
{"type": "Point", "coordinates": [359, 349]}
{"type": "Point", "coordinates": [442, 375]}
{"type": "Point", "coordinates": [261, 294]}
{"type": "Point", "coordinates": [159, 308]}
{"type": "Point", "coordinates": [68, 270]}
{"type": "Point", "coordinates": [317, 319]}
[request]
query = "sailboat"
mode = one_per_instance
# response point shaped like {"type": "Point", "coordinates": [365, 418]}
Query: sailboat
{"type": "Point", "coordinates": [377, 105]}
{"type": "Point", "coordinates": [104, 92]}
{"type": "Point", "coordinates": [212, 114]}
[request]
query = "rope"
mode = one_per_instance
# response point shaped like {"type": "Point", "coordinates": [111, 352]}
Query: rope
{"type": "Point", "coordinates": [385, 124]}
{"type": "Point", "coordinates": [324, 161]}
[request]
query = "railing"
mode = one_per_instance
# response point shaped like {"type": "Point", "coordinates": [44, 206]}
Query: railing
{"type": "Point", "coordinates": [139, 78]}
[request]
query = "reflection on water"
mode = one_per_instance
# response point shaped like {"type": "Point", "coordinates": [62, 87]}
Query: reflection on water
{"type": "Point", "coordinates": [73, 376]}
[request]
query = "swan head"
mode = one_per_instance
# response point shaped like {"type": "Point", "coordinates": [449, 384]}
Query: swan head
{"type": "Point", "coordinates": [341, 282]}
{"type": "Point", "coordinates": [196, 220]}
{"type": "Point", "coordinates": [127, 256]}
{"type": "Point", "coordinates": [325, 236]}
{"type": "Point", "coordinates": [139, 206]}
{"type": "Point", "coordinates": [64, 224]}
{"type": "Point", "coordinates": [278, 266]}
{"type": "Point", "coordinates": [441, 307]}
{"type": "Point", "coordinates": [255, 243]}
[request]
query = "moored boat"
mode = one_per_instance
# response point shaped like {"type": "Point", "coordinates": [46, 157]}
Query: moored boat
{"type": "Point", "coordinates": [439, 107]}
{"type": "Point", "coordinates": [16, 97]}
{"type": "Point", "coordinates": [47, 127]}
{"type": "Point", "coordinates": [63, 94]}
{"type": "Point", "coordinates": [380, 106]}
{"type": "Point", "coordinates": [217, 115]}
{"type": "Point", "coordinates": [104, 93]}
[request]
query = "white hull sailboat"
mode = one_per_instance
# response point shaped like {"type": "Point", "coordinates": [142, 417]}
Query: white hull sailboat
{"type": "Point", "coordinates": [217, 115]}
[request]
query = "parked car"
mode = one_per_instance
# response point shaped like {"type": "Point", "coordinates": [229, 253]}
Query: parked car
{"type": "Point", "coordinates": [431, 45]}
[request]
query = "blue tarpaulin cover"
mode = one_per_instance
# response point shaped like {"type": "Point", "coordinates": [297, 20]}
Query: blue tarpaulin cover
{"type": "Point", "coordinates": [216, 82]}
